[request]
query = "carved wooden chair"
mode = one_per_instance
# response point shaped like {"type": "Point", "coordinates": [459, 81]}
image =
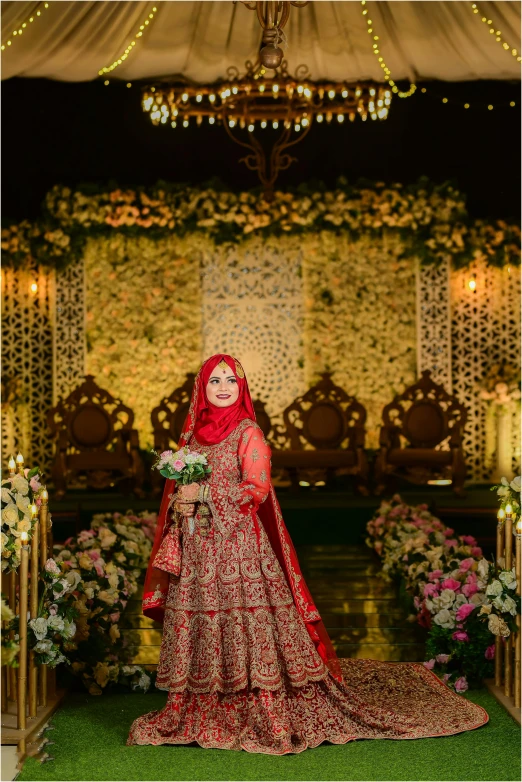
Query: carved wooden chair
{"type": "Point", "coordinates": [323, 433]}
{"type": "Point", "coordinates": [421, 436]}
{"type": "Point", "coordinates": [95, 438]}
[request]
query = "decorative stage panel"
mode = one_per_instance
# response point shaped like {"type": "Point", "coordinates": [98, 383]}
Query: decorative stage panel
{"type": "Point", "coordinates": [27, 363]}
{"type": "Point", "coordinates": [252, 308]}
{"type": "Point", "coordinates": [485, 331]}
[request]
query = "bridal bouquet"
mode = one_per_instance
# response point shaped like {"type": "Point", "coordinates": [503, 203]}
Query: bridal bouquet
{"type": "Point", "coordinates": [184, 466]}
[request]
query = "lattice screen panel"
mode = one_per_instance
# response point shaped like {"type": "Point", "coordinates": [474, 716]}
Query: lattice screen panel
{"type": "Point", "coordinates": [485, 330]}
{"type": "Point", "coordinates": [434, 323]}
{"type": "Point", "coordinates": [27, 364]}
{"type": "Point", "coordinates": [69, 329]}
{"type": "Point", "coordinates": [252, 308]}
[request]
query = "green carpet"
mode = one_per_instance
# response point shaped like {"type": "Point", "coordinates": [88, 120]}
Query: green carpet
{"type": "Point", "coordinates": [90, 735]}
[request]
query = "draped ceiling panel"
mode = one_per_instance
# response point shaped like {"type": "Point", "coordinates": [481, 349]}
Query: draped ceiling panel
{"type": "Point", "coordinates": [71, 41]}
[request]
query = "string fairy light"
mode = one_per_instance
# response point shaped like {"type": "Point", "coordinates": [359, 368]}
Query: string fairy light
{"type": "Point", "coordinates": [496, 33]}
{"type": "Point", "coordinates": [23, 27]}
{"type": "Point", "coordinates": [468, 104]}
{"type": "Point", "coordinates": [130, 47]}
{"type": "Point", "coordinates": [377, 53]}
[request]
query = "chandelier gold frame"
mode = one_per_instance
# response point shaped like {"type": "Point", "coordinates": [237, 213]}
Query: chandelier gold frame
{"type": "Point", "coordinates": [247, 103]}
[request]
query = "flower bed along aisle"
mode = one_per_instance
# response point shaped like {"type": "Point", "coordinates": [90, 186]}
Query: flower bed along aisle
{"type": "Point", "coordinates": [456, 593]}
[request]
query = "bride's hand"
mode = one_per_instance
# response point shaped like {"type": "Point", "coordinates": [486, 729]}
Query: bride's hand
{"type": "Point", "coordinates": [188, 493]}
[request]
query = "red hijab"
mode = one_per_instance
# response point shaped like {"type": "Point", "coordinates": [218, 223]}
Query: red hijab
{"type": "Point", "coordinates": [210, 425]}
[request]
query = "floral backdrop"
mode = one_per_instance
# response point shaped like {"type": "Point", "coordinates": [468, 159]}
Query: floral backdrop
{"type": "Point", "coordinates": [143, 313]}
{"type": "Point", "coordinates": [148, 252]}
{"type": "Point", "coordinates": [360, 317]}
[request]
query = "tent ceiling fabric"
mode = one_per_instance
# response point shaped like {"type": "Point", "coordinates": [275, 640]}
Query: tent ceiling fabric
{"type": "Point", "coordinates": [71, 41]}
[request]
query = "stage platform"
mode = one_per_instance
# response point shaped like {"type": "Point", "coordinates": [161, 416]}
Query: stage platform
{"type": "Point", "coordinates": [313, 515]}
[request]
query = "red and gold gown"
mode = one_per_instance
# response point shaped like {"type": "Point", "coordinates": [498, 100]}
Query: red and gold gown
{"type": "Point", "coordinates": [239, 665]}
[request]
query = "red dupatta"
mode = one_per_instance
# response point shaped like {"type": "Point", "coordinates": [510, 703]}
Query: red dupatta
{"type": "Point", "coordinates": [211, 425]}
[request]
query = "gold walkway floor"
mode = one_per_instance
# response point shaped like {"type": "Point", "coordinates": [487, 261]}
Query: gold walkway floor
{"type": "Point", "coordinates": [361, 612]}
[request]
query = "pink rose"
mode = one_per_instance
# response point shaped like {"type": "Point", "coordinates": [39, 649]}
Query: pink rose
{"type": "Point", "coordinates": [68, 541]}
{"type": "Point", "coordinates": [448, 532]}
{"type": "Point", "coordinates": [416, 602]}
{"type": "Point", "coordinates": [460, 635]}
{"type": "Point", "coordinates": [52, 567]}
{"type": "Point", "coordinates": [35, 484]}
{"type": "Point", "coordinates": [464, 611]}
{"type": "Point", "coordinates": [431, 590]}
{"type": "Point", "coordinates": [93, 554]}
{"type": "Point", "coordinates": [461, 684]}
{"type": "Point", "coordinates": [471, 578]}
{"type": "Point", "coordinates": [451, 543]}
{"type": "Point", "coordinates": [98, 568]}
{"type": "Point", "coordinates": [446, 677]}
{"type": "Point", "coordinates": [476, 552]}
{"type": "Point", "coordinates": [178, 465]}
{"type": "Point", "coordinates": [466, 564]}
{"type": "Point", "coordinates": [429, 663]}
{"type": "Point", "coordinates": [442, 658]}
{"type": "Point", "coordinates": [490, 652]}
{"type": "Point", "coordinates": [85, 535]}
{"type": "Point", "coordinates": [451, 583]}
{"type": "Point", "coordinates": [469, 540]}
{"type": "Point", "coordinates": [435, 575]}
{"type": "Point", "coordinates": [469, 590]}
{"type": "Point", "coordinates": [53, 610]}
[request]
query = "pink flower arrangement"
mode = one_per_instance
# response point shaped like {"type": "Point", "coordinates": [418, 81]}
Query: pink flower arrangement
{"type": "Point", "coordinates": [460, 635]}
{"type": "Point", "coordinates": [489, 654]}
{"type": "Point", "coordinates": [461, 685]}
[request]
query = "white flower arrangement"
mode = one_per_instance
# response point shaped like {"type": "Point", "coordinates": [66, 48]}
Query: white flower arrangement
{"type": "Point", "coordinates": [19, 493]}
{"type": "Point", "coordinates": [508, 493]}
{"type": "Point", "coordinates": [501, 385]}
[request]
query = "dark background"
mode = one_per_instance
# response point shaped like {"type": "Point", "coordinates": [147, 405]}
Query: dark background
{"type": "Point", "coordinates": [68, 133]}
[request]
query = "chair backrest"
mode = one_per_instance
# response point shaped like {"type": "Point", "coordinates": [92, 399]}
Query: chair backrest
{"type": "Point", "coordinates": [169, 416]}
{"type": "Point", "coordinates": [262, 417]}
{"type": "Point", "coordinates": [425, 414]}
{"type": "Point", "coordinates": [90, 419]}
{"type": "Point", "coordinates": [326, 417]}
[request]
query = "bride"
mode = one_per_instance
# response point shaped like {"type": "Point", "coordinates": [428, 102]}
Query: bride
{"type": "Point", "coordinates": [245, 658]}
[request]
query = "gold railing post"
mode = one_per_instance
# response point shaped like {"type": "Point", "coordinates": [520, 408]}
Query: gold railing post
{"type": "Point", "coordinates": [44, 514]}
{"type": "Point", "coordinates": [33, 669]}
{"type": "Point", "coordinates": [518, 638]}
{"type": "Point", "coordinates": [22, 659]}
{"type": "Point", "coordinates": [508, 645]}
{"type": "Point", "coordinates": [12, 606]}
{"type": "Point", "coordinates": [499, 651]}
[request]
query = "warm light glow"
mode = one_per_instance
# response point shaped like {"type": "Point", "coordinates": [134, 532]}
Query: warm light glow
{"type": "Point", "coordinates": [45, 495]}
{"type": "Point", "coordinates": [519, 526]}
{"type": "Point", "coordinates": [472, 285]}
{"type": "Point", "coordinates": [501, 514]}
{"type": "Point", "coordinates": [509, 510]}
{"type": "Point", "coordinates": [34, 511]}
{"type": "Point", "coordinates": [24, 537]}
{"type": "Point", "coordinates": [440, 482]}
{"type": "Point", "coordinates": [304, 483]}
{"type": "Point", "coordinates": [20, 460]}
{"type": "Point", "coordinates": [11, 464]}
{"type": "Point", "coordinates": [34, 287]}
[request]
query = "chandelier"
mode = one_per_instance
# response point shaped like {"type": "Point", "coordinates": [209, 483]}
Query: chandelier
{"type": "Point", "coordinates": [266, 114]}
{"type": "Point", "coordinates": [245, 105]}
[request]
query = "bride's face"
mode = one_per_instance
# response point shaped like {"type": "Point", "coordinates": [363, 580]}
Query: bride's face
{"type": "Point", "coordinates": [222, 387]}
